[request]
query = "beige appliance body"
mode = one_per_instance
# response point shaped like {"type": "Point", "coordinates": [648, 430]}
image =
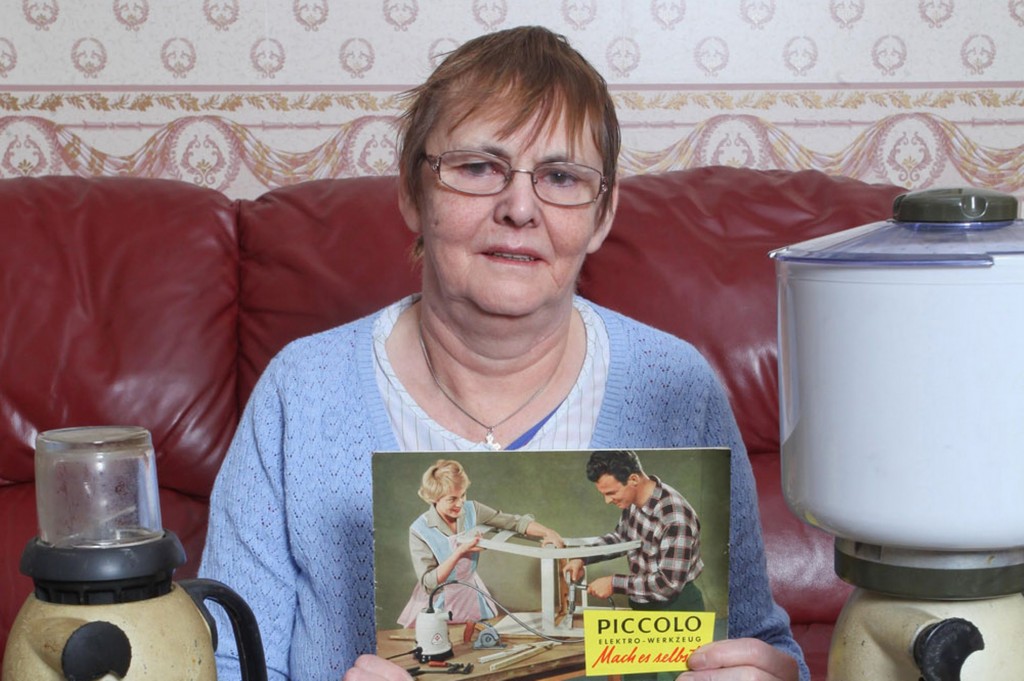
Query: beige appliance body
{"type": "Point", "coordinates": [168, 637]}
{"type": "Point", "coordinates": [104, 605]}
{"type": "Point", "coordinates": [874, 634]}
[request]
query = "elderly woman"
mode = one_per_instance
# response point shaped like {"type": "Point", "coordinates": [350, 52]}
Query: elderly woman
{"type": "Point", "coordinates": [508, 166]}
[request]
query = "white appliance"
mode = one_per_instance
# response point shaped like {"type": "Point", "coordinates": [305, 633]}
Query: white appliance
{"type": "Point", "coordinates": [901, 369]}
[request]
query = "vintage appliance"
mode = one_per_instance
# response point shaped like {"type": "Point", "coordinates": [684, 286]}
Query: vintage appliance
{"type": "Point", "coordinates": [902, 417]}
{"type": "Point", "coordinates": [104, 604]}
{"type": "Point", "coordinates": [433, 643]}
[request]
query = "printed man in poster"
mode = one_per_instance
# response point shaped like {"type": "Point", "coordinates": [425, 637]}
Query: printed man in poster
{"type": "Point", "coordinates": [662, 570]}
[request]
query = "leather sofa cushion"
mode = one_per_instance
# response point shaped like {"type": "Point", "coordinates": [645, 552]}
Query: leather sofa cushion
{"type": "Point", "coordinates": [688, 253]}
{"type": "Point", "coordinates": [315, 255]}
{"type": "Point", "coordinates": [118, 307]}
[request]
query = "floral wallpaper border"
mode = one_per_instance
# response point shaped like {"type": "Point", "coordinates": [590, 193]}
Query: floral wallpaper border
{"type": "Point", "coordinates": [1001, 96]}
{"type": "Point", "coordinates": [244, 143]}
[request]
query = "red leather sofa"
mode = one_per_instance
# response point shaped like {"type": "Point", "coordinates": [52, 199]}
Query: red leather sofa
{"type": "Point", "coordinates": [158, 303]}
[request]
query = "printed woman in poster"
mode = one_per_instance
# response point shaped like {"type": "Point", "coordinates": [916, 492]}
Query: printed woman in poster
{"type": "Point", "coordinates": [443, 552]}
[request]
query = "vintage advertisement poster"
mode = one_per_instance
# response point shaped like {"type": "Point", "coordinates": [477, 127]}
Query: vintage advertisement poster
{"type": "Point", "coordinates": [555, 564]}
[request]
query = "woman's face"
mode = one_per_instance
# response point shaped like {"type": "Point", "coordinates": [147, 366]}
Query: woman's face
{"type": "Point", "coordinates": [509, 254]}
{"type": "Point", "coordinates": [449, 506]}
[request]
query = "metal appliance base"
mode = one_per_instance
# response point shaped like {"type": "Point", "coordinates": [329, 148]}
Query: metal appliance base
{"type": "Point", "coordinates": [938, 575]}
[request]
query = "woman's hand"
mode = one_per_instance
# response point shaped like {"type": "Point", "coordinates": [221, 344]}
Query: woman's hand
{"type": "Point", "coordinates": [547, 536]}
{"type": "Point", "coordinates": [447, 566]}
{"type": "Point", "coordinates": [373, 668]}
{"type": "Point", "coordinates": [468, 547]}
{"type": "Point", "coordinates": [552, 538]}
{"type": "Point", "coordinates": [740, 658]}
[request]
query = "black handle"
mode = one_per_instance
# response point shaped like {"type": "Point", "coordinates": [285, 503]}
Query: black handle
{"type": "Point", "coordinates": [94, 651]}
{"type": "Point", "coordinates": [243, 622]}
{"type": "Point", "coordinates": [941, 649]}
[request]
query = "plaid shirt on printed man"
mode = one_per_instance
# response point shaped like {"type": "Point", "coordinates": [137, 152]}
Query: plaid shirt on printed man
{"type": "Point", "coordinates": [669, 554]}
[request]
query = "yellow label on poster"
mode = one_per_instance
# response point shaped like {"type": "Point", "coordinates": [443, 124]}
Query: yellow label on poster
{"type": "Point", "coordinates": [635, 641]}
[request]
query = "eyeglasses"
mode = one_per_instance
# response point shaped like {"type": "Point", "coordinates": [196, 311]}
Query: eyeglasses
{"type": "Point", "coordinates": [481, 174]}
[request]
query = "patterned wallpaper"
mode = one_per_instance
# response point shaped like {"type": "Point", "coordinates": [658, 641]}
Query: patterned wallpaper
{"type": "Point", "coordinates": [244, 95]}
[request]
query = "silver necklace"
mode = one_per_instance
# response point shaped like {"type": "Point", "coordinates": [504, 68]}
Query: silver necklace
{"type": "Point", "coordinates": [489, 435]}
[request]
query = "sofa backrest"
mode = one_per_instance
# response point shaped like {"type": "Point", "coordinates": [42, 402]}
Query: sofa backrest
{"type": "Point", "coordinates": [118, 305]}
{"type": "Point", "coordinates": [315, 255]}
{"type": "Point", "coordinates": [158, 303]}
{"type": "Point", "coordinates": [688, 253]}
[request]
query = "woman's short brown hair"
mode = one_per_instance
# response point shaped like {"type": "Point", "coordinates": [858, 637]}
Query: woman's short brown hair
{"type": "Point", "coordinates": [535, 70]}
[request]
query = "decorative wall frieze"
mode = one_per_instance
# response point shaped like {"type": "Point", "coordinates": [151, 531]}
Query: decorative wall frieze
{"type": "Point", "coordinates": [244, 96]}
{"type": "Point", "coordinates": [245, 143]}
